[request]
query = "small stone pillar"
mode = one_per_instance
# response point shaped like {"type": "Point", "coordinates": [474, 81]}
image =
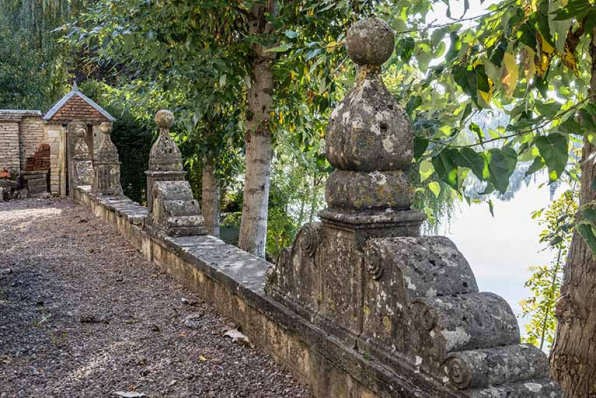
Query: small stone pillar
{"type": "Point", "coordinates": [365, 276]}
{"type": "Point", "coordinates": [80, 156]}
{"type": "Point", "coordinates": [172, 208]}
{"type": "Point", "coordinates": [106, 179]}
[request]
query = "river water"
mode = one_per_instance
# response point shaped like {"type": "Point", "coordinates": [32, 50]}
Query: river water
{"type": "Point", "coordinates": [501, 248]}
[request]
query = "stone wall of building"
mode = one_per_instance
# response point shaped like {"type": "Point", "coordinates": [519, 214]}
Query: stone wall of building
{"type": "Point", "coordinates": [9, 146]}
{"type": "Point", "coordinates": [31, 135]}
{"type": "Point", "coordinates": [55, 139]}
{"type": "Point", "coordinates": [21, 132]}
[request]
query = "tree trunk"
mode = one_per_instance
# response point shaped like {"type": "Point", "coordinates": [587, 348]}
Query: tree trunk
{"type": "Point", "coordinates": [573, 357]}
{"type": "Point", "coordinates": [259, 151]}
{"type": "Point", "coordinates": [210, 198]}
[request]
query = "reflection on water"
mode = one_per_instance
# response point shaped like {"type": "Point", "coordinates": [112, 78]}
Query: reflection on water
{"type": "Point", "coordinates": [501, 249]}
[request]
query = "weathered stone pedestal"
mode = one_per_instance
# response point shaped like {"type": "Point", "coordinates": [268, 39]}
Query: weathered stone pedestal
{"type": "Point", "coordinates": [106, 179]}
{"type": "Point", "coordinates": [172, 209]}
{"type": "Point", "coordinates": [364, 274]}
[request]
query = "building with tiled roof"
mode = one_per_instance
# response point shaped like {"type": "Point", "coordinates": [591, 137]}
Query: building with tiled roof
{"type": "Point", "coordinates": [23, 132]}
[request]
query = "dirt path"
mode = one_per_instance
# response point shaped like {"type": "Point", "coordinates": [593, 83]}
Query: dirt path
{"type": "Point", "coordinates": [82, 314]}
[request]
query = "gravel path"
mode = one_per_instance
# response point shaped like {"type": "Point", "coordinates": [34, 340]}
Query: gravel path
{"type": "Point", "coordinates": [82, 314]}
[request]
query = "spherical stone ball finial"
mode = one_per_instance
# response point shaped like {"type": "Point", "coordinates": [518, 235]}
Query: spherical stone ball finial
{"type": "Point", "coordinates": [80, 130]}
{"type": "Point", "coordinates": [105, 127]}
{"type": "Point", "coordinates": [370, 42]}
{"type": "Point", "coordinates": [164, 119]}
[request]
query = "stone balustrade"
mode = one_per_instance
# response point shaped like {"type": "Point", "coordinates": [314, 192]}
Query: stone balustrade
{"type": "Point", "coordinates": [360, 305]}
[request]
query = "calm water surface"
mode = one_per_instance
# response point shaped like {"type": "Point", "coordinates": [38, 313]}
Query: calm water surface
{"type": "Point", "coordinates": [501, 249]}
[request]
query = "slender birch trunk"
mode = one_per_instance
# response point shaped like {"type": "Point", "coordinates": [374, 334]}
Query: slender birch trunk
{"type": "Point", "coordinates": [210, 198]}
{"type": "Point", "coordinates": [259, 151]}
{"type": "Point", "coordinates": [573, 357]}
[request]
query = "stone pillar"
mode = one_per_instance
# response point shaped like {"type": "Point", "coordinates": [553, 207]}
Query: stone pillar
{"type": "Point", "coordinates": [365, 275]}
{"type": "Point", "coordinates": [81, 165]}
{"type": "Point", "coordinates": [172, 208]}
{"type": "Point", "coordinates": [106, 179]}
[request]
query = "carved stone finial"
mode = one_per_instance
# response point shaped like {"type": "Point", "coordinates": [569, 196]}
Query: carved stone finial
{"type": "Point", "coordinates": [81, 166]}
{"type": "Point", "coordinates": [370, 42]}
{"type": "Point", "coordinates": [369, 137]}
{"type": "Point", "coordinates": [81, 149]}
{"type": "Point", "coordinates": [105, 128]}
{"type": "Point", "coordinates": [165, 155]}
{"type": "Point", "coordinates": [172, 208]}
{"type": "Point", "coordinates": [164, 119]}
{"type": "Point", "coordinates": [107, 151]}
{"type": "Point", "coordinates": [107, 166]}
{"type": "Point", "coordinates": [80, 131]}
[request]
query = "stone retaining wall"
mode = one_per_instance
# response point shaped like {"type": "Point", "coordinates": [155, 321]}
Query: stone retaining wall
{"type": "Point", "coordinates": [233, 282]}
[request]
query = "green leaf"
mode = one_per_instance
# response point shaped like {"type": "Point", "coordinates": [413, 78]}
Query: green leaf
{"type": "Point", "coordinates": [548, 109]}
{"type": "Point", "coordinates": [554, 149]}
{"type": "Point", "coordinates": [588, 117]}
{"type": "Point", "coordinates": [426, 170]}
{"type": "Point", "coordinates": [291, 34]}
{"type": "Point", "coordinates": [501, 165]}
{"type": "Point", "coordinates": [541, 84]}
{"type": "Point", "coordinates": [490, 188]}
{"type": "Point", "coordinates": [405, 49]}
{"type": "Point", "coordinates": [280, 49]}
{"type": "Point", "coordinates": [574, 9]}
{"type": "Point", "coordinates": [414, 102]}
{"type": "Point", "coordinates": [570, 126]}
{"type": "Point", "coordinates": [497, 53]}
{"type": "Point", "coordinates": [420, 145]}
{"type": "Point", "coordinates": [437, 37]}
{"type": "Point", "coordinates": [423, 56]}
{"type": "Point", "coordinates": [527, 35]}
{"type": "Point", "coordinates": [454, 48]}
{"type": "Point", "coordinates": [435, 188]}
{"type": "Point", "coordinates": [589, 214]}
{"type": "Point", "coordinates": [467, 157]}
{"type": "Point", "coordinates": [475, 128]}
{"type": "Point", "coordinates": [466, 79]}
{"type": "Point", "coordinates": [586, 231]}
{"type": "Point", "coordinates": [491, 207]}
{"type": "Point", "coordinates": [466, 112]}
{"type": "Point", "coordinates": [538, 164]}
{"type": "Point", "coordinates": [445, 167]}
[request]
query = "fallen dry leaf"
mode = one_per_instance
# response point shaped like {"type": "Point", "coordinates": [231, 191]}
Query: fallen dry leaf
{"type": "Point", "coordinates": [129, 394]}
{"type": "Point", "coordinates": [237, 336]}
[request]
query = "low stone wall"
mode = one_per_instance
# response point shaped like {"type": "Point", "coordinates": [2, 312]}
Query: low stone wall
{"type": "Point", "coordinates": [233, 282]}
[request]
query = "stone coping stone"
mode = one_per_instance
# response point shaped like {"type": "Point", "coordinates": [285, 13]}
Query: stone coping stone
{"type": "Point", "coordinates": [14, 115]}
{"type": "Point", "coordinates": [213, 256]}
